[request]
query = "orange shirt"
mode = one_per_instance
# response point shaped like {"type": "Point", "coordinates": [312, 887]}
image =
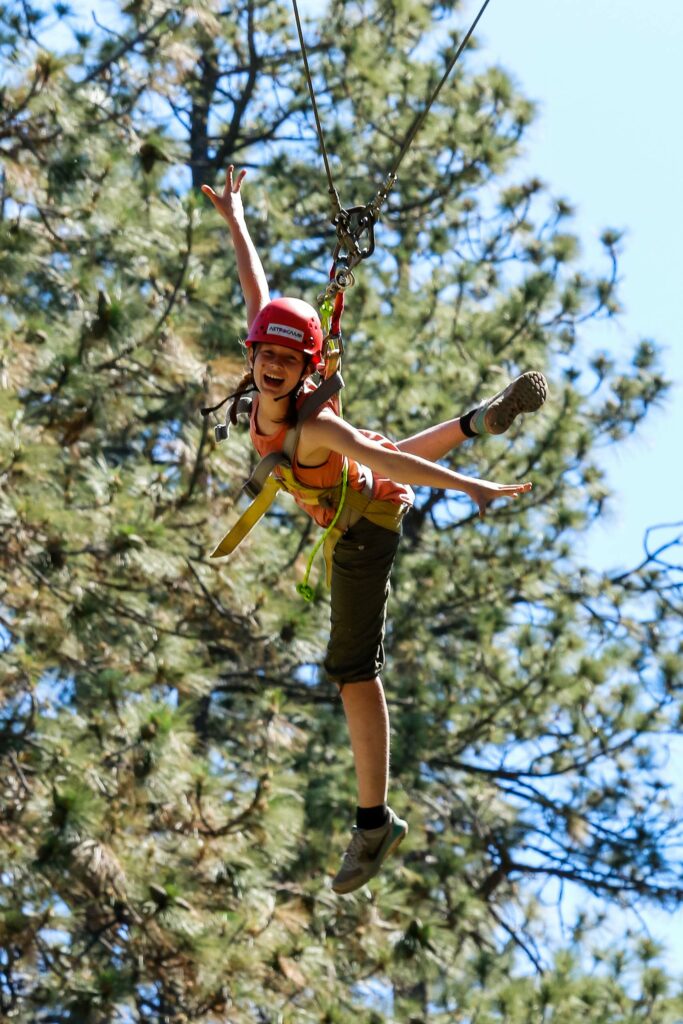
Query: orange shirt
{"type": "Point", "coordinates": [329, 473]}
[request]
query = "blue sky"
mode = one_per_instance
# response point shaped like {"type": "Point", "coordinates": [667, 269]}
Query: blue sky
{"type": "Point", "coordinates": [608, 80]}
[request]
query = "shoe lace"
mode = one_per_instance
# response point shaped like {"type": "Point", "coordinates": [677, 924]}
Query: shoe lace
{"type": "Point", "coordinates": [355, 848]}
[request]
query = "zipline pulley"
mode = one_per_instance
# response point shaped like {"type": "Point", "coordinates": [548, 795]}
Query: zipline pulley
{"type": "Point", "coordinates": [352, 225]}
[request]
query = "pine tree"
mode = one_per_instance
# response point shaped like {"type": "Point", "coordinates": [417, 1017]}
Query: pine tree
{"type": "Point", "coordinates": [176, 775]}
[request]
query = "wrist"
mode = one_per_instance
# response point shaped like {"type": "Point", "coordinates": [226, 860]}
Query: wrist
{"type": "Point", "coordinates": [233, 218]}
{"type": "Point", "coordinates": [236, 221]}
{"type": "Point", "coordinates": [466, 484]}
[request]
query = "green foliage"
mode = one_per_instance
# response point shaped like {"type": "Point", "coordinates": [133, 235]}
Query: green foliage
{"type": "Point", "coordinates": [176, 777]}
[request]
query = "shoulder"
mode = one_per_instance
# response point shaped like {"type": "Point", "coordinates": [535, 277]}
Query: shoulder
{"type": "Point", "coordinates": [316, 433]}
{"type": "Point", "coordinates": [322, 422]}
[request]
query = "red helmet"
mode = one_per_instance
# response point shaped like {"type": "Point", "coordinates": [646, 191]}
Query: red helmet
{"type": "Point", "coordinates": [289, 322]}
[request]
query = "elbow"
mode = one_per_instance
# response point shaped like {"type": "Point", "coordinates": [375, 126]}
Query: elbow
{"type": "Point", "coordinates": [390, 469]}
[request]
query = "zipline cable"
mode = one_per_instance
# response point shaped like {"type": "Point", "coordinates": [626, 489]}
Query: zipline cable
{"type": "Point", "coordinates": [419, 120]}
{"type": "Point", "coordinates": [353, 223]}
{"type": "Point", "coordinates": [332, 190]}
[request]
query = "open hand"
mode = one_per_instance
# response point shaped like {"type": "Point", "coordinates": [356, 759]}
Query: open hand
{"type": "Point", "coordinates": [229, 204]}
{"type": "Point", "coordinates": [483, 492]}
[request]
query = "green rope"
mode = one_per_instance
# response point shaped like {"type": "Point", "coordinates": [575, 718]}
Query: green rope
{"type": "Point", "coordinates": [304, 588]}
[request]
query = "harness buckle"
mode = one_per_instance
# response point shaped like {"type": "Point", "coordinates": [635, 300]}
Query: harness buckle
{"type": "Point", "coordinates": [341, 278]}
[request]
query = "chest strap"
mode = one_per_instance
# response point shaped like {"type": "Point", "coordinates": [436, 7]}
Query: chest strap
{"type": "Point", "coordinates": [311, 403]}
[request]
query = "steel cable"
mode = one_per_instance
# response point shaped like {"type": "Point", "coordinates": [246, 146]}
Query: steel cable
{"type": "Point", "coordinates": [332, 190]}
{"type": "Point", "coordinates": [373, 208]}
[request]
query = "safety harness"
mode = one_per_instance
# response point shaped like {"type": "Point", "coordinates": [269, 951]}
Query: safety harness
{"type": "Point", "coordinates": [275, 471]}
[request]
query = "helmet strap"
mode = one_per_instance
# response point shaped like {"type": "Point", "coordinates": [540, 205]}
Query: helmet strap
{"type": "Point", "coordinates": [304, 373]}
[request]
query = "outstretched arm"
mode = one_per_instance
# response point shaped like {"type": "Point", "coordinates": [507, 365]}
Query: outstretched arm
{"type": "Point", "coordinates": [326, 432]}
{"type": "Point", "coordinates": [249, 267]}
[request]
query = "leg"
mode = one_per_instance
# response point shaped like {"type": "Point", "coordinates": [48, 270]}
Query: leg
{"type": "Point", "coordinates": [355, 656]}
{"type": "Point", "coordinates": [368, 720]}
{"type": "Point", "coordinates": [435, 442]}
{"type": "Point", "coordinates": [493, 416]}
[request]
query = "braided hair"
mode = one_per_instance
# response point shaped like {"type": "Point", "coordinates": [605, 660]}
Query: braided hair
{"type": "Point", "coordinates": [245, 385]}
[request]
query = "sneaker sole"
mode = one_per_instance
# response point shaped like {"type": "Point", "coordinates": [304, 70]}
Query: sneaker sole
{"type": "Point", "coordinates": [525, 394]}
{"type": "Point", "coordinates": [343, 888]}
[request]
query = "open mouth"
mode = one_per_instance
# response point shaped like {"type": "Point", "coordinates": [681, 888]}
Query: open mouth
{"type": "Point", "coordinates": [273, 382]}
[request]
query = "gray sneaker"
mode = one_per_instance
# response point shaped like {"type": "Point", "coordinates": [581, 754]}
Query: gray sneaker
{"type": "Point", "coordinates": [525, 394]}
{"type": "Point", "coordinates": [366, 852]}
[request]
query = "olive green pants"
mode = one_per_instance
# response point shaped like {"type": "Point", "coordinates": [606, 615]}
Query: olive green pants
{"type": "Point", "coordinates": [361, 571]}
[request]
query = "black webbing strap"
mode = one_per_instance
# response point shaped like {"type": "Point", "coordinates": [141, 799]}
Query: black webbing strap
{"type": "Point", "coordinates": [328, 389]}
{"type": "Point", "coordinates": [334, 195]}
{"type": "Point", "coordinates": [421, 117]}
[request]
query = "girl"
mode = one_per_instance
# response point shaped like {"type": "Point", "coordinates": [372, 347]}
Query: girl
{"type": "Point", "coordinates": [283, 348]}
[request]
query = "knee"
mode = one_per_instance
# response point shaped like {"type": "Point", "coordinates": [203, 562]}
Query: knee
{"type": "Point", "coordinates": [360, 688]}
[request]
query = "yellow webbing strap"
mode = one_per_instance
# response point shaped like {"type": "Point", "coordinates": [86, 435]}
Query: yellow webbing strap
{"type": "Point", "coordinates": [249, 518]}
{"type": "Point", "coordinates": [383, 513]}
{"type": "Point", "coordinates": [356, 504]}
{"type": "Point", "coordinates": [328, 497]}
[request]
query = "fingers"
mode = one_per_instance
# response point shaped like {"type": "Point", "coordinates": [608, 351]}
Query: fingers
{"type": "Point", "coordinates": [213, 196]}
{"type": "Point", "coordinates": [503, 491]}
{"type": "Point", "coordinates": [512, 490]}
{"type": "Point", "coordinates": [230, 185]}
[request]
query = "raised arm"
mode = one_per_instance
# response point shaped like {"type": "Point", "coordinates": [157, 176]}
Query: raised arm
{"type": "Point", "coordinates": [249, 267]}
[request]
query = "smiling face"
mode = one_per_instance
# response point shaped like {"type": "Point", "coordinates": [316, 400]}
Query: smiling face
{"type": "Point", "coordinates": [277, 369]}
